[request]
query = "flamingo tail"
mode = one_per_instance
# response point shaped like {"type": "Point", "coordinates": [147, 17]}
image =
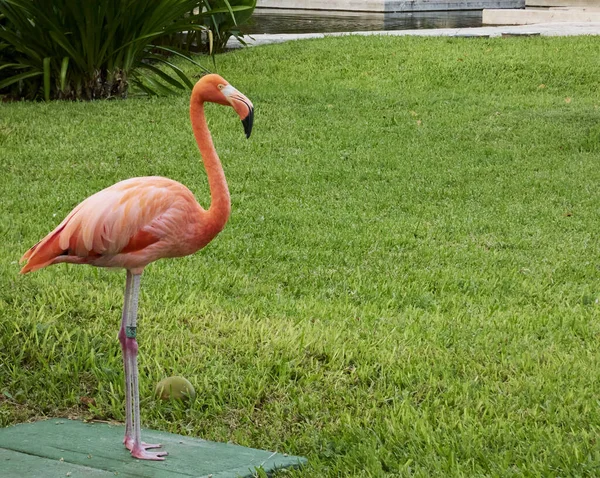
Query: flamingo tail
{"type": "Point", "coordinates": [43, 253]}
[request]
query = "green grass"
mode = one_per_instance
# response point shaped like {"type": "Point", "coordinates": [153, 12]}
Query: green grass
{"type": "Point", "coordinates": [409, 282]}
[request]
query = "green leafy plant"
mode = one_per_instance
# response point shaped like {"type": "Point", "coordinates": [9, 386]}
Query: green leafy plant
{"type": "Point", "coordinates": [226, 24]}
{"type": "Point", "coordinates": [68, 49]}
{"type": "Point", "coordinates": [221, 19]}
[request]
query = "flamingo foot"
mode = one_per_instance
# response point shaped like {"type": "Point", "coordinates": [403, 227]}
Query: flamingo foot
{"type": "Point", "coordinates": [141, 453]}
{"type": "Point", "coordinates": [129, 444]}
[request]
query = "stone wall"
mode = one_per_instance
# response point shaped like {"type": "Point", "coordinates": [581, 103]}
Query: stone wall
{"type": "Point", "coordinates": [391, 5]}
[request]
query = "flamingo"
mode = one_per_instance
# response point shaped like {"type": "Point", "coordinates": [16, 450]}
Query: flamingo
{"type": "Point", "coordinates": [139, 220]}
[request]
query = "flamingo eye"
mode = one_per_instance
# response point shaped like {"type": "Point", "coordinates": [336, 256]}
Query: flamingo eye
{"type": "Point", "coordinates": [220, 86]}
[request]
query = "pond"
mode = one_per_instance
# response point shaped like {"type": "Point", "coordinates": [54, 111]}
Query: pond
{"type": "Point", "coordinates": [265, 20]}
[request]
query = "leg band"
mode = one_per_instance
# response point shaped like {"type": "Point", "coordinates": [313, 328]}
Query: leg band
{"type": "Point", "coordinates": [130, 332]}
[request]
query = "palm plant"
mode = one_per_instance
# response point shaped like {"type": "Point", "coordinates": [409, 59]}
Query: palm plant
{"type": "Point", "coordinates": [74, 49]}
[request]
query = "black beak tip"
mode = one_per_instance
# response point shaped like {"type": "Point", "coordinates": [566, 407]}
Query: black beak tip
{"type": "Point", "coordinates": [248, 121]}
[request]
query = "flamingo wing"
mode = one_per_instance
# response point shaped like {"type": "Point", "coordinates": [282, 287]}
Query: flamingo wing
{"type": "Point", "coordinates": [116, 220]}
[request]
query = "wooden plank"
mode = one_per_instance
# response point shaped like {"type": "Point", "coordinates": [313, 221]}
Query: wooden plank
{"type": "Point", "coordinates": [99, 446]}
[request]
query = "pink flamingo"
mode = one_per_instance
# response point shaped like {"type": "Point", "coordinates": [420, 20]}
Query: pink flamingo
{"type": "Point", "coordinates": [140, 220]}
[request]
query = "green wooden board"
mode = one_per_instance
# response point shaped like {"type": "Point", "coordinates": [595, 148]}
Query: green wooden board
{"type": "Point", "coordinates": [61, 447]}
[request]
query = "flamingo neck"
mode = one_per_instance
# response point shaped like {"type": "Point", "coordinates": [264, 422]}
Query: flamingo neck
{"type": "Point", "coordinates": [220, 202]}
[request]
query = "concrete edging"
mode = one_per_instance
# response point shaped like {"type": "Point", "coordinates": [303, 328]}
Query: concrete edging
{"type": "Point", "coordinates": [561, 3]}
{"type": "Point", "coordinates": [525, 17]}
{"type": "Point", "coordinates": [544, 29]}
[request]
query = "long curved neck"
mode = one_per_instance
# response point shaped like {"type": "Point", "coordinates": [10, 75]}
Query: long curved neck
{"type": "Point", "coordinates": [220, 202]}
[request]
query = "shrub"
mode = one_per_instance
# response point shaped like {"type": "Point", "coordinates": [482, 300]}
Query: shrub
{"type": "Point", "coordinates": [73, 49]}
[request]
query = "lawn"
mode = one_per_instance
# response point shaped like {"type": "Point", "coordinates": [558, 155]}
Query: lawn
{"type": "Point", "coordinates": [408, 285]}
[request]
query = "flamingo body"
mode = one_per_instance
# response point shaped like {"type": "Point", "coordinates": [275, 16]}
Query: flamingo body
{"type": "Point", "coordinates": [129, 224]}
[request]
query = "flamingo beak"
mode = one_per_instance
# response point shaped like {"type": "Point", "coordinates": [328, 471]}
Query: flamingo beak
{"type": "Point", "coordinates": [248, 121]}
{"type": "Point", "coordinates": [243, 107]}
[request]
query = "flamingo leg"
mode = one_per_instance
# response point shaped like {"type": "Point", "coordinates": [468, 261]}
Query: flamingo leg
{"type": "Point", "coordinates": [127, 371]}
{"type": "Point", "coordinates": [138, 448]}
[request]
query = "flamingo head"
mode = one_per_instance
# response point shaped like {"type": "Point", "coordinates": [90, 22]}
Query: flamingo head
{"type": "Point", "coordinates": [216, 89]}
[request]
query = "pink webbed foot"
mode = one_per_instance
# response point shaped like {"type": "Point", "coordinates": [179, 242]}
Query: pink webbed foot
{"type": "Point", "coordinates": [128, 442]}
{"type": "Point", "coordinates": [141, 453]}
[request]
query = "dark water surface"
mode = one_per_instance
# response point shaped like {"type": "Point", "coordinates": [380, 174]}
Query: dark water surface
{"type": "Point", "coordinates": [266, 20]}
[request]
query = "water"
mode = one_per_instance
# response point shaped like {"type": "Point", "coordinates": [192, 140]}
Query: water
{"type": "Point", "coordinates": [266, 20]}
